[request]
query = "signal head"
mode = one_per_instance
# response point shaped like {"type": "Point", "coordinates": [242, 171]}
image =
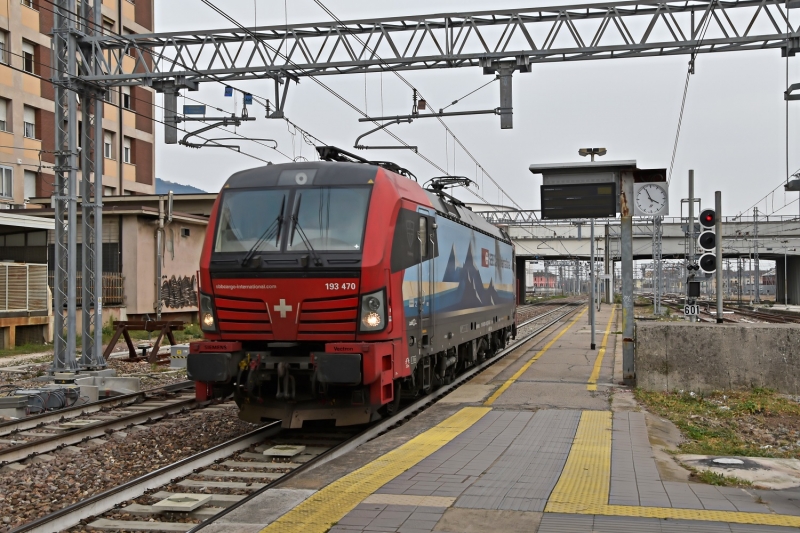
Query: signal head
{"type": "Point", "coordinates": [707, 240]}
{"type": "Point", "coordinates": [708, 263]}
{"type": "Point", "coordinates": [708, 218]}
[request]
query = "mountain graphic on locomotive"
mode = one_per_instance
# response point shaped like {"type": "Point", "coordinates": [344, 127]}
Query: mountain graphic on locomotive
{"type": "Point", "coordinates": [324, 295]}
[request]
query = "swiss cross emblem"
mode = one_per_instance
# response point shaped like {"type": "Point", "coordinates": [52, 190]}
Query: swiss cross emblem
{"type": "Point", "coordinates": [282, 308]}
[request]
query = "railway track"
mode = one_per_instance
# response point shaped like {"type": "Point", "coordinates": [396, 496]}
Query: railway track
{"type": "Point", "coordinates": [39, 434]}
{"type": "Point", "coordinates": [244, 465]}
{"type": "Point", "coordinates": [75, 411]}
{"type": "Point", "coordinates": [708, 313]}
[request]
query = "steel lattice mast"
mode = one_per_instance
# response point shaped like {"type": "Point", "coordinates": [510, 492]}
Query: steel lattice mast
{"type": "Point", "coordinates": [68, 46]}
{"type": "Point", "coordinates": [66, 203]}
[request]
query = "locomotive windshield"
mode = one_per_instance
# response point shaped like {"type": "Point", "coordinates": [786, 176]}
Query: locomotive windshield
{"type": "Point", "coordinates": [248, 216]}
{"type": "Point", "coordinates": [329, 218]}
{"type": "Point", "coordinates": [292, 219]}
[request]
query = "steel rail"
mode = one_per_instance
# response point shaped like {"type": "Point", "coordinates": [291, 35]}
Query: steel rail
{"type": "Point", "coordinates": [24, 450]}
{"type": "Point", "coordinates": [74, 411]}
{"type": "Point", "coordinates": [386, 424]}
{"type": "Point", "coordinates": [104, 501]}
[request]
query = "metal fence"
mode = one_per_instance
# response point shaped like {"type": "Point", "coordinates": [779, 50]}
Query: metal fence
{"type": "Point", "coordinates": [23, 287]}
{"type": "Point", "coordinates": [113, 288]}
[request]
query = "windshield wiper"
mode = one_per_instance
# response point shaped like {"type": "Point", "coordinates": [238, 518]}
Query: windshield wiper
{"type": "Point", "coordinates": [306, 241]}
{"type": "Point", "coordinates": [273, 229]}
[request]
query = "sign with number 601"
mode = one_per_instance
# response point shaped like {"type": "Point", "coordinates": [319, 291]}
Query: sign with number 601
{"type": "Point", "coordinates": [691, 310]}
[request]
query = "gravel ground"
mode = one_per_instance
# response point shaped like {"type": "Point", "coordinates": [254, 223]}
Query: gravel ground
{"type": "Point", "coordinates": [152, 376]}
{"type": "Point", "coordinates": [44, 487]}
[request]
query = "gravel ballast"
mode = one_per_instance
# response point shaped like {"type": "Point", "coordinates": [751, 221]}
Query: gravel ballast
{"type": "Point", "coordinates": [45, 486]}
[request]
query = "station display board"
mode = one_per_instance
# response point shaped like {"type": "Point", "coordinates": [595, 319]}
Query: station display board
{"type": "Point", "coordinates": [582, 200]}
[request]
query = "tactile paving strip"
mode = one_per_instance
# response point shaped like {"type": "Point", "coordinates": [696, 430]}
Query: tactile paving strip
{"type": "Point", "coordinates": [583, 487]}
{"type": "Point", "coordinates": [326, 507]}
{"type": "Point", "coordinates": [566, 523]}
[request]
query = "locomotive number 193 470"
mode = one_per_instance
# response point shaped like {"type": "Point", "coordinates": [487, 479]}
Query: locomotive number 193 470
{"type": "Point", "coordinates": [348, 286]}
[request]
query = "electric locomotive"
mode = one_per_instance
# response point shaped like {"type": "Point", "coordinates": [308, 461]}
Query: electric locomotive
{"type": "Point", "coordinates": [331, 289]}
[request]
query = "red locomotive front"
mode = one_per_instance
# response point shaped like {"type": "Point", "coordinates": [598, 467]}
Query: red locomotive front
{"type": "Point", "coordinates": [330, 288]}
{"type": "Point", "coordinates": [297, 296]}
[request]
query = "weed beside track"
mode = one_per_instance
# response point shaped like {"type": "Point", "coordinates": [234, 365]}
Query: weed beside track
{"type": "Point", "coordinates": [754, 423]}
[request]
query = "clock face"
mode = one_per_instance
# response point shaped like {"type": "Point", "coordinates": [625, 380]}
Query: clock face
{"type": "Point", "coordinates": [651, 199]}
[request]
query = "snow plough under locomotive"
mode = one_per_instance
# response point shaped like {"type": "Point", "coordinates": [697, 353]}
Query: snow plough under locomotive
{"type": "Point", "coordinates": [331, 289]}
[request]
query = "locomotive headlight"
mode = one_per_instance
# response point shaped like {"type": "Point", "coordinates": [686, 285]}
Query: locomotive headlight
{"type": "Point", "coordinates": [372, 320]}
{"type": "Point", "coordinates": [373, 312]}
{"type": "Point", "coordinates": [207, 322]}
{"type": "Point", "coordinates": [373, 303]}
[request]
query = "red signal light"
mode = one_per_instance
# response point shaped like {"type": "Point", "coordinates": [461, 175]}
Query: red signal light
{"type": "Point", "coordinates": [708, 218]}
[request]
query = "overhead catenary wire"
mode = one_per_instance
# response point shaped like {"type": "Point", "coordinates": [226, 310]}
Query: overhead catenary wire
{"type": "Point", "coordinates": [313, 78]}
{"type": "Point", "coordinates": [161, 56]}
{"type": "Point", "coordinates": [447, 129]}
{"type": "Point", "coordinates": [137, 114]}
{"type": "Point", "coordinates": [320, 83]}
{"type": "Point", "coordinates": [411, 86]}
{"type": "Point", "coordinates": [704, 27]}
{"type": "Point", "coordinates": [305, 132]}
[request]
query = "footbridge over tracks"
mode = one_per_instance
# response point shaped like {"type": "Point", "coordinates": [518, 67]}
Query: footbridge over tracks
{"type": "Point", "coordinates": [775, 238]}
{"type": "Point", "coordinates": [534, 239]}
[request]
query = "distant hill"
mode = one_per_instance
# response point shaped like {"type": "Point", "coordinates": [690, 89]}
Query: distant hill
{"type": "Point", "coordinates": [164, 186]}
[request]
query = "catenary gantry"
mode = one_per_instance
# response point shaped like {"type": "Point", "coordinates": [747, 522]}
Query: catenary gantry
{"type": "Point", "coordinates": [513, 37]}
{"type": "Point", "coordinates": [501, 42]}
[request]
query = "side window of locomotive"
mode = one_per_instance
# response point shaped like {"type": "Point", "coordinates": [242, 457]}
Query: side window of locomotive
{"type": "Point", "coordinates": [414, 240]}
{"type": "Point", "coordinates": [406, 240]}
{"type": "Point", "coordinates": [423, 238]}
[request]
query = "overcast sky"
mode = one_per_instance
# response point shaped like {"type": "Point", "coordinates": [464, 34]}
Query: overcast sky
{"type": "Point", "coordinates": [733, 132]}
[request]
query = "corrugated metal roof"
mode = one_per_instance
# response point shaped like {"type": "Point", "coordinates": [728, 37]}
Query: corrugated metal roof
{"type": "Point", "coordinates": [26, 221]}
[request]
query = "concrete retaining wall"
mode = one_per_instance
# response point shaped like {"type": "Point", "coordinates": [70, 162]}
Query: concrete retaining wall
{"type": "Point", "coordinates": [706, 357]}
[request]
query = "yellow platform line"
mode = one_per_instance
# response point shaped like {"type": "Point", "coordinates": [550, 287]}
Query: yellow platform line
{"type": "Point", "coordinates": [527, 365]}
{"type": "Point", "coordinates": [586, 476]}
{"type": "Point", "coordinates": [598, 363]}
{"type": "Point", "coordinates": [584, 484]}
{"type": "Point", "coordinates": [326, 507]}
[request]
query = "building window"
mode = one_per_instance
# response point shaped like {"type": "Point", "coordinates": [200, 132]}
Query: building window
{"type": "Point", "coordinates": [4, 107]}
{"type": "Point", "coordinates": [127, 32]}
{"type": "Point", "coordinates": [126, 97]}
{"type": "Point", "coordinates": [108, 145]}
{"type": "Point", "coordinates": [28, 3]}
{"type": "Point", "coordinates": [29, 114]}
{"type": "Point", "coordinates": [28, 52]}
{"type": "Point", "coordinates": [6, 182]}
{"type": "Point", "coordinates": [3, 48]}
{"type": "Point", "coordinates": [30, 184]}
{"type": "Point", "coordinates": [126, 149]}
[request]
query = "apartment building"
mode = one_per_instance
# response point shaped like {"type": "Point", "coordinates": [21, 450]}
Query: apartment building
{"type": "Point", "coordinates": [27, 118]}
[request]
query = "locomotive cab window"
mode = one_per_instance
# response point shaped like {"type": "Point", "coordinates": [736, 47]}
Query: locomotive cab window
{"type": "Point", "coordinates": [329, 218]}
{"type": "Point", "coordinates": [251, 218]}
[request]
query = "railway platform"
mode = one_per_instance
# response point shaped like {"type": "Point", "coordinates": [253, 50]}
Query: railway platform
{"type": "Point", "coordinates": [542, 441]}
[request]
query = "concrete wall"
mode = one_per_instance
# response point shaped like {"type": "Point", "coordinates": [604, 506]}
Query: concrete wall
{"type": "Point", "coordinates": [181, 259]}
{"type": "Point", "coordinates": [706, 357]}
